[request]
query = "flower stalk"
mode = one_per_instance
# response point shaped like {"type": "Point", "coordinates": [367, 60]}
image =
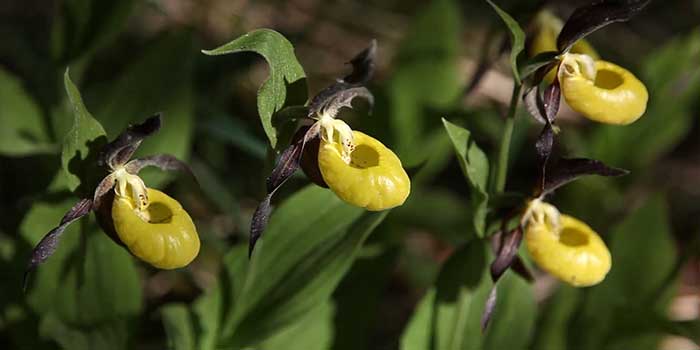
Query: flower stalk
{"type": "Point", "coordinates": [504, 149]}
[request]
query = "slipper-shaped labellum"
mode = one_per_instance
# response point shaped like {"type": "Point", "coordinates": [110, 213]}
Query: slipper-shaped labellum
{"type": "Point", "coordinates": [546, 29]}
{"type": "Point", "coordinates": [161, 233]}
{"type": "Point", "coordinates": [602, 91]}
{"type": "Point", "coordinates": [366, 174]}
{"type": "Point", "coordinates": [565, 247]}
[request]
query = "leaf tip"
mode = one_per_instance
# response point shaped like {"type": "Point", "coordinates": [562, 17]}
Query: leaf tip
{"type": "Point", "coordinates": [618, 172]}
{"type": "Point", "coordinates": [259, 222]}
{"type": "Point", "coordinates": [489, 308]}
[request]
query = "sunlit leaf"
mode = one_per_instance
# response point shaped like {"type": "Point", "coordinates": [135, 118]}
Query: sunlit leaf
{"type": "Point", "coordinates": [284, 70]}
{"type": "Point", "coordinates": [309, 244]}
{"type": "Point", "coordinates": [475, 168]}
{"type": "Point", "coordinates": [83, 141]}
{"type": "Point", "coordinates": [517, 39]}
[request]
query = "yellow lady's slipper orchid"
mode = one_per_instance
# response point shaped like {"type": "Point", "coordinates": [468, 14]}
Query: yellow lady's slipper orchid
{"type": "Point", "coordinates": [547, 28]}
{"type": "Point", "coordinates": [602, 91]}
{"type": "Point", "coordinates": [362, 171]}
{"type": "Point", "coordinates": [159, 232]}
{"type": "Point", "coordinates": [566, 247]}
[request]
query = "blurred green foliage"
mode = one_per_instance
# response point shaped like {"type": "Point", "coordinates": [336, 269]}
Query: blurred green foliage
{"type": "Point", "coordinates": [325, 275]}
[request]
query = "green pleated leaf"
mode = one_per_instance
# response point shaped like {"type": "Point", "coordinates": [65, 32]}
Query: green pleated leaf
{"type": "Point", "coordinates": [641, 245]}
{"type": "Point", "coordinates": [313, 331]}
{"type": "Point", "coordinates": [105, 336]}
{"type": "Point", "coordinates": [552, 331]}
{"type": "Point", "coordinates": [475, 167]}
{"type": "Point", "coordinates": [517, 39]}
{"type": "Point", "coordinates": [418, 332]}
{"type": "Point", "coordinates": [284, 71]}
{"type": "Point", "coordinates": [23, 130]}
{"type": "Point", "coordinates": [513, 321]}
{"type": "Point", "coordinates": [214, 308]}
{"type": "Point", "coordinates": [89, 290]}
{"type": "Point", "coordinates": [358, 311]}
{"type": "Point", "coordinates": [82, 143]}
{"type": "Point", "coordinates": [89, 279]}
{"type": "Point", "coordinates": [179, 327]}
{"type": "Point", "coordinates": [449, 315]}
{"type": "Point", "coordinates": [309, 244]}
{"type": "Point", "coordinates": [462, 288]}
{"type": "Point", "coordinates": [198, 325]}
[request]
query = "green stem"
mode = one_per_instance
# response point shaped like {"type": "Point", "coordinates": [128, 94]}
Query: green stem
{"type": "Point", "coordinates": [504, 150]}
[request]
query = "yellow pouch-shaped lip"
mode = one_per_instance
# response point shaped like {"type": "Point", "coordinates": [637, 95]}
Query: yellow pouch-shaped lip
{"type": "Point", "coordinates": [374, 179]}
{"type": "Point", "coordinates": [164, 236]}
{"type": "Point", "coordinates": [613, 96]}
{"type": "Point", "coordinates": [575, 254]}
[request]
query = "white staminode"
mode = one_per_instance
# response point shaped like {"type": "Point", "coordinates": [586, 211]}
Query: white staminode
{"type": "Point", "coordinates": [577, 65]}
{"type": "Point", "coordinates": [541, 213]}
{"type": "Point", "coordinates": [138, 195]}
{"type": "Point", "coordinates": [329, 126]}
